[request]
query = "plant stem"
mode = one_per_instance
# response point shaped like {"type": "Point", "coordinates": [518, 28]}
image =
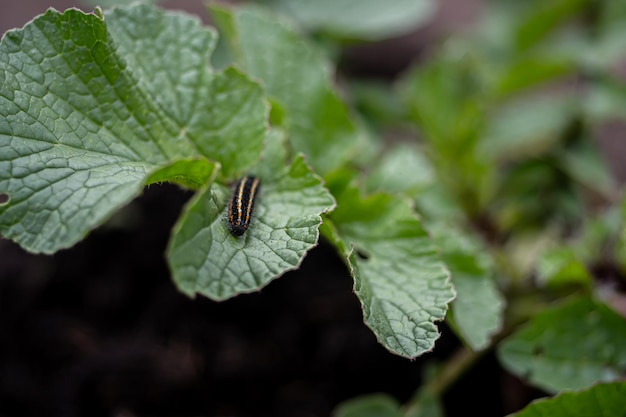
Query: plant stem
{"type": "Point", "coordinates": [453, 368]}
{"type": "Point", "coordinates": [456, 366]}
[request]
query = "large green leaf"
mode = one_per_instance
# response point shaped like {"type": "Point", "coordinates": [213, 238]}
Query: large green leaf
{"type": "Point", "coordinates": [569, 347]}
{"type": "Point", "coordinates": [91, 106]}
{"type": "Point", "coordinates": [297, 78]}
{"type": "Point", "coordinates": [399, 278]}
{"type": "Point", "coordinates": [602, 400]}
{"type": "Point", "coordinates": [360, 19]}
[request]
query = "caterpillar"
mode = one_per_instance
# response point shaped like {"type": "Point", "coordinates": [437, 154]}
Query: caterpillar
{"type": "Point", "coordinates": [241, 205]}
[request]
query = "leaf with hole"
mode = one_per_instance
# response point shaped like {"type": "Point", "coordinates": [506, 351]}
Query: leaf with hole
{"type": "Point", "coordinates": [403, 286]}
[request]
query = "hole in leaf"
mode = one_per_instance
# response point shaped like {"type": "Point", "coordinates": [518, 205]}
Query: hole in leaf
{"type": "Point", "coordinates": [538, 350]}
{"type": "Point", "coordinates": [362, 254]}
{"type": "Point", "coordinates": [4, 199]}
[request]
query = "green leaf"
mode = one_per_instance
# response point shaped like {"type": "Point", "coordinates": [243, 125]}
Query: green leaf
{"type": "Point", "coordinates": [359, 19]}
{"type": "Point", "coordinates": [478, 309]}
{"type": "Point", "coordinates": [569, 347]}
{"type": "Point", "coordinates": [435, 204]}
{"type": "Point", "coordinates": [91, 109]}
{"type": "Point", "coordinates": [529, 70]}
{"type": "Point", "coordinates": [374, 103]}
{"type": "Point", "coordinates": [403, 169]}
{"type": "Point", "coordinates": [543, 18]}
{"type": "Point", "coordinates": [373, 405]}
{"type": "Point", "coordinates": [599, 233]}
{"type": "Point", "coordinates": [583, 162]}
{"type": "Point", "coordinates": [215, 111]}
{"type": "Point", "coordinates": [445, 100]}
{"type": "Point", "coordinates": [274, 156]}
{"type": "Point", "coordinates": [527, 127]}
{"type": "Point", "coordinates": [297, 77]}
{"type": "Point", "coordinates": [206, 259]}
{"type": "Point", "coordinates": [560, 266]}
{"type": "Point", "coordinates": [399, 279]}
{"type": "Point", "coordinates": [520, 210]}
{"type": "Point", "coordinates": [602, 400]}
{"type": "Point", "coordinates": [190, 173]}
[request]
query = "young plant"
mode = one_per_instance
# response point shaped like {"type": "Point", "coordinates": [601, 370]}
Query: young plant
{"type": "Point", "coordinates": [95, 107]}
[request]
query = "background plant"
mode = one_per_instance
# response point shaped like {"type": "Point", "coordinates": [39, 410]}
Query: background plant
{"type": "Point", "coordinates": [505, 188]}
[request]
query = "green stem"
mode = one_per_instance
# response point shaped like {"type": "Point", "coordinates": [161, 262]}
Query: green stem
{"type": "Point", "coordinates": [452, 370]}
{"type": "Point", "coordinates": [461, 361]}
